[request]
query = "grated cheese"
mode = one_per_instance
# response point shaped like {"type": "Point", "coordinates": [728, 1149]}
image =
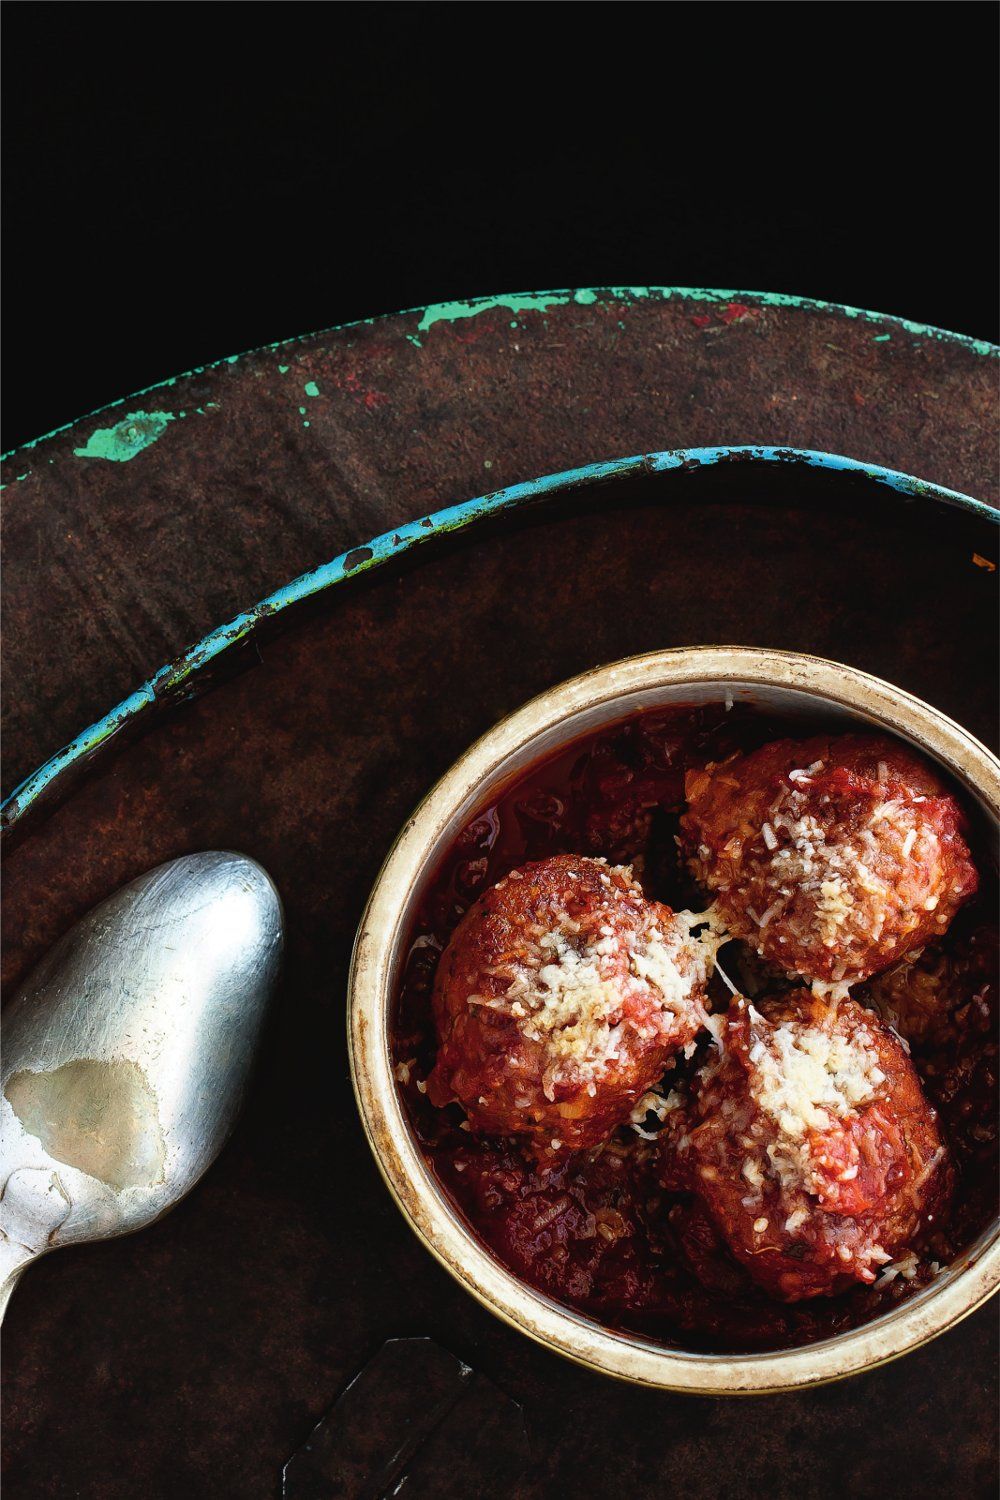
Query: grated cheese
{"type": "Point", "coordinates": [796, 1219]}
{"type": "Point", "coordinates": [653, 1104]}
{"type": "Point", "coordinates": [906, 1266]}
{"type": "Point", "coordinates": [803, 1078]}
{"type": "Point", "coordinates": [569, 993]}
{"type": "Point", "coordinates": [834, 888]}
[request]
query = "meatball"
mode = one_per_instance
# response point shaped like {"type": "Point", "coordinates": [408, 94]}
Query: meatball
{"type": "Point", "coordinates": [811, 1145]}
{"type": "Point", "coordinates": [832, 857]}
{"type": "Point", "coordinates": [933, 997]}
{"type": "Point", "coordinates": [947, 1006]}
{"type": "Point", "coordinates": [558, 1002]}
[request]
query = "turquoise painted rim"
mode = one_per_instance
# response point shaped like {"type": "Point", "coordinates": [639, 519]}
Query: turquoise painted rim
{"type": "Point", "coordinates": [516, 302]}
{"type": "Point", "coordinates": [174, 680]}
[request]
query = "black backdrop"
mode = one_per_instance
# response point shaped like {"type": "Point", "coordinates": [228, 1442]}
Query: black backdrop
{"type": "Point", "coordinates": [187, 181]}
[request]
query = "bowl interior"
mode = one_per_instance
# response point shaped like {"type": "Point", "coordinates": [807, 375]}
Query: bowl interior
{"type": "Point", "coordinates": [836, 694]}
{"type": "Point", "coordinates": [791, 702]}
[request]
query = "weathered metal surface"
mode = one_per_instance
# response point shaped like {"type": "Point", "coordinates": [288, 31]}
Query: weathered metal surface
{"type": "Point", "coordinates": [415, 1418]}
{"type": "Point", "coordinates": [198, 1366]}
{"type": "Point", "coordinates": [131, 534]}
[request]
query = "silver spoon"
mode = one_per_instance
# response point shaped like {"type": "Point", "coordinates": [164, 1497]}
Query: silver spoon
{"type": "Point", "coordinates": [126, 1053]}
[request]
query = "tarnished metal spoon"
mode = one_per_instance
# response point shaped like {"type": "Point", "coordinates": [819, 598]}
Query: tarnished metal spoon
{"type": "Point", "coordinates": [126, 1053]}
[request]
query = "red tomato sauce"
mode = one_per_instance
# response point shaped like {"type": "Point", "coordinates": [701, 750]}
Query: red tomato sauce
{"type": "Point", "coordinates": [600, 1233]}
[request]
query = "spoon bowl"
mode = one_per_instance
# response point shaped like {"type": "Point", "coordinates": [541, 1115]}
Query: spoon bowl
{"type": "Point", "coordinates": [127, 1051]}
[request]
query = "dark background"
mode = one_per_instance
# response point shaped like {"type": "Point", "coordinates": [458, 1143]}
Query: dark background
{"type": "Point", "coordinates": [185, 182]}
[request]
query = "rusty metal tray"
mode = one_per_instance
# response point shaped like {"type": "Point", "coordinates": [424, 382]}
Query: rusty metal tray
{"type": "Point", "coordinates": [196, 1358]}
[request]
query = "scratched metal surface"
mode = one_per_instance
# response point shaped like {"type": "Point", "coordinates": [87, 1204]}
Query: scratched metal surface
{"type": "Point", "coordinates": [155, 520]}
{"type": "Point", "coordinates": [195, 1359]}
{"type": "Point", "coordinates": [196, 668]}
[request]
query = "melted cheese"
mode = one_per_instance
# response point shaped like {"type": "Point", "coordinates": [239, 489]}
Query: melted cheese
{"type": "Point", "coordinates": [804, 1078]}
{"type": "Point", "coordinates": [806, 1074]}
{"type": "Point", "coordinates": [657, 964]}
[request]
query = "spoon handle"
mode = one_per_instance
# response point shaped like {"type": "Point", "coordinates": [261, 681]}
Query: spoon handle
{"type": "Point", "coordinates": [13, 1259]}
{"type": "Point", "coordinates": [33, 1206]}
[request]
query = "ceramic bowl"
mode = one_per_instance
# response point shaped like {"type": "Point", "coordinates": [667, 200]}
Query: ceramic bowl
{"type": "Point", "coordinates": [794, 685]}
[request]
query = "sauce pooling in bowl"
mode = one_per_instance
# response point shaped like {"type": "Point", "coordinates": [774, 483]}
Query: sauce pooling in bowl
{"type": "Point", "coordinates": [600, 1231]}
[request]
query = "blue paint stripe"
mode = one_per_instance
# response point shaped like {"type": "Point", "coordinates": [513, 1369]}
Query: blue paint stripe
{"type": "Point", "coordinates": [394, 543]}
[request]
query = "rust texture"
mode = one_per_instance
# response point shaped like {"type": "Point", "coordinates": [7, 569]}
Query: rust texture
{"type": "Point", "coordinates": [196, 1358]}
{"type": "Point", "coordinates": [140, 558]}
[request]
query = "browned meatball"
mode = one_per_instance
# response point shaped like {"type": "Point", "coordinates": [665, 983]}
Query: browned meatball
{"type": "Point", "coordinates": [558, 1002]}
{"type": "Point", "coordinates": [831, 857]}
{"type": "Point", "coordinates": [947, 1006]}
{"type": "Point", "coordinates": [928, 997]}
{"type": "Point", "coordinates": [811, 1145]}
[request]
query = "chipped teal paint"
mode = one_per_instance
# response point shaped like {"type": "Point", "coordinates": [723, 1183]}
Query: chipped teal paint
{"type": "Point", "coordinates": [881, 338]}
{"type": "Point", "coordinates": [311, 388]}
{"type": "Point", "coordinates": [381, 549]}
{"type": "Point", "coordinates": [582, 297]}
{"type": "Point", "coordinates": [118, 444]}
{"type": "Point", "coordinates": [283, 369]}
{"type": "Point", "coordinates": [452, 312]}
